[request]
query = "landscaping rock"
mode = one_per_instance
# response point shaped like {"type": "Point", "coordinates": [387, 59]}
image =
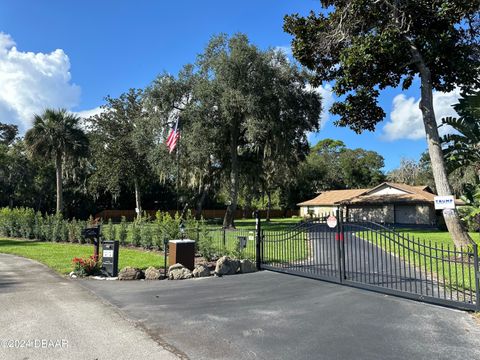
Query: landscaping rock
{"type": "Point", "coordinates": [247, 266]}
{"type": "Point", "coordinates": [201, 270]}
{"type": "Point", "coordinates": [130, 273]}
{"type": "Point", "coordinates": [152, 274]}
{"type": "Point", "coordinates": [179, 272]}
{"type": "Point", "coordinates": [226, 266]}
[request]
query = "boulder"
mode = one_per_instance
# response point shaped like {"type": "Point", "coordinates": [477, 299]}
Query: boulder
{"type": "Point", "coordinates": [201, 270]}
{"type": "Point", "coordinates": [227, 266]}
{"type": "Point", "coordinates": [130, 273]}
{"type": "Point", "coordinates": [247, 266]}
{"type": "Point", "coordinates": [152, 274]}
{"type": "Point", "coordinates": [179, 272]}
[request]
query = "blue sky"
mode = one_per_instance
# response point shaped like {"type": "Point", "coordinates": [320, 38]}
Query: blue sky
{"type": "Point", "coordinates": [106, 47]}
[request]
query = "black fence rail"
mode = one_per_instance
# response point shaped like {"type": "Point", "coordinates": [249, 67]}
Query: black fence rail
{"type": "Point", "coordinates": [220, 241]}
{"type": "Point", "coordinates": [372, 256]}
{"type": "Point", "coordinates": [379, 258]}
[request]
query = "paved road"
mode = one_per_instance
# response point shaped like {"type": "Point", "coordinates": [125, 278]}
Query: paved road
{"type": "Point", "coordinates": [63, 320]}
{"type": "Point", "coordinates": [268, 315]}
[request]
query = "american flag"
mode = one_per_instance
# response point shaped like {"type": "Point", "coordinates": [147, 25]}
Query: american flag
{"type": "Point", "coordinates": [173, 138]}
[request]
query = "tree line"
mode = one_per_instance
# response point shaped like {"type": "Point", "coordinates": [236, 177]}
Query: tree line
{"type": "Point", "coordinates": [244, 117]}
{"type": "Point", "coordinates": [245, 113]}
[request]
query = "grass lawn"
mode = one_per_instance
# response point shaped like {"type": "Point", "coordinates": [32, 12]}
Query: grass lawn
{"type": "Point", "coordinates": [428, 250]}
{"type": "Point", "coordinates": [58, 256]}
{"type": "Point", "coordinates": [436, 236]}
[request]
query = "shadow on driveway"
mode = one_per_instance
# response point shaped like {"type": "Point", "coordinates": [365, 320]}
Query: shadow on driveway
{"type": "Point", "coordinates": [268, 315]}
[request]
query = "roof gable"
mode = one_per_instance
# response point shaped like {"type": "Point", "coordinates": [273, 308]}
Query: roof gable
{"type": "Point", "coordinates": [333, 197]}
{"type": "Point", "coordinates": [385, 192]}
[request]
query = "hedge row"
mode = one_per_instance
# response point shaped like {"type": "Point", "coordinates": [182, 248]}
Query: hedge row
{"type": "Point", "coordinates": [144, 232]}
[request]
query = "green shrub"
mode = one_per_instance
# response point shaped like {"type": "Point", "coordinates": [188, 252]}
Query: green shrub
{"type": "Point", "coordinates": [57, 232]}
{"type": "Point", "coordinates": [37, 226]}
{"type": "Point", "coordinates": [123, 232]}
{"type": "Point", "coordinates": [136, 236]}
{"type": "Point", "coordinates": [110, 231]}
{"type": "Point", "coordinates": [78, 231]}
{"type": "Point", "coordinates": [63, 230]}
{"type": "Point", "coordinates": [205, 243]}
{"type": "Point", "coordinates": [146, 235]}
{"type": "Point", "coordinates": [47, 228]}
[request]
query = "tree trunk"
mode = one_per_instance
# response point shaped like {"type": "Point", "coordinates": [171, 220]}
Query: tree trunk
{"type": "Point", "coordinates": [138, 201]}
{"type": "Point", "coordinates": [459, 236]}
{"type": "Point", "coordinates": [58, 167]}
{"type": "Point", "coordinates": [200, 202]}
{"type": "Point", "coordinates": [229, 219]}
{"type": "Point", "coordinates": [269, 205]}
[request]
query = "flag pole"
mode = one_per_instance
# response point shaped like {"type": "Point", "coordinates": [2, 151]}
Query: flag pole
{"type": "Point", "coordinates": [178, 175]}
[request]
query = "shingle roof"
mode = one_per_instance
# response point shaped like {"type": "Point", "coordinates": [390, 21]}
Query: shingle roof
{"type": "Point", "coordinates": [333, 197]}
{"type": "Point", "coordinates": [413, 194]}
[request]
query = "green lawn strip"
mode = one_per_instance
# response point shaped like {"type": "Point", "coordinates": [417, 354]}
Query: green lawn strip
{"type": "Point", "coordinates": [58, 256]}
{"type": "Point", "coordinates": [424, 249]}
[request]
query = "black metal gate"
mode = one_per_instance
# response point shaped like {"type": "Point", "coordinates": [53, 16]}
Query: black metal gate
{"type": "Point", "coordinates": [371, 256]}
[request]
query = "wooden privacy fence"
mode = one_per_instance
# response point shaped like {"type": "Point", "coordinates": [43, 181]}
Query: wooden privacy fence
{"type": "Point", "coordinates": [116, 215]}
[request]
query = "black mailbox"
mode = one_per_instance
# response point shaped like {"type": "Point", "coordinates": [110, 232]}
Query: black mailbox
{"type": "Point", "coordinates": [242, 242]}
{"type": "Point", "coordinates": [93, 233]}
{"type": "Point", "coordinates": [110, 257]}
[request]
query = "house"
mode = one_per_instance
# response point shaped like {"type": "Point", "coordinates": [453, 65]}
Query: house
{"type": "Point", "coordinates": [390, 203]}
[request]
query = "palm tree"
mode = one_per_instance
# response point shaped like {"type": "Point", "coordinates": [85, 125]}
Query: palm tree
{"type": "Point", "coordinates": [462, 147]}
{"type": "Point", "coordinates": [56, 135]}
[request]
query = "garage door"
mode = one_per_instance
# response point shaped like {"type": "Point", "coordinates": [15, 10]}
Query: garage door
{"type": "Point", "coordinates": [405, 214]}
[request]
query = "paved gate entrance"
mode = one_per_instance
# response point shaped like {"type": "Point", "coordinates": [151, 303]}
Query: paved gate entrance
{"type": "Point", "coordinates": [374, 257]}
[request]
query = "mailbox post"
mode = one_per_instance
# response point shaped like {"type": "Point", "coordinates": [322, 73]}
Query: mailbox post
{"type": "Point", "coordinates": [93, 233]}
{"type": "Point", "coordinates": [110, 257]}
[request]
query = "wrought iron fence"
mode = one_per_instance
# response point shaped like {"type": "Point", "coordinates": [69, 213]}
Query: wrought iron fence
{"type": "Point", "coordinates": [369, 255]}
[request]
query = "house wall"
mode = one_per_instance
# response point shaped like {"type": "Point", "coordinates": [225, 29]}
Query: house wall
{"type": "Point", "coordinates": [369, 213]}
{"type": "Point", "coordinates": [425, 214]}
{"type": "Point", "coordinates": [388, 213]}
{"type": "Point", "coordinates": [316, 210]}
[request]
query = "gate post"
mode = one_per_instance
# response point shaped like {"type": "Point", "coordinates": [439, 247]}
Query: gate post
{"type": "Point", "coordinates": [340, 245]}
{"type": "Point", "coordinates": [258, 239]}
{"type": "Point", "coordinates": [477, 275]}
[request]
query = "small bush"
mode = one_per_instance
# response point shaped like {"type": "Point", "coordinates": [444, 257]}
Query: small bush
{"type": "Point", "coordinates": [136, 236]}
{"type": "Point", "coordinates": [85, 266]}
{"type": "Point", "coordinates": [123, 232]}
{"type": "Point", "coordinates": [110, 233]}
{"type": "Point", "coordinates": [146, 235]}
{"type": "Point", "coordinates": [206, 244]}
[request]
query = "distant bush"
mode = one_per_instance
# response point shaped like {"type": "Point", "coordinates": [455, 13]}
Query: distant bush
{"type": "Point", "coordinates": [123, 232]}
{"type": "Point", "coordinates": [145, 232]}
{"type": "Point", "coordinates": [135, 231]}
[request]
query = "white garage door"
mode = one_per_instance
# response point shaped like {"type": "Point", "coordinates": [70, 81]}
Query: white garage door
{"type": "Point", "coordinates": [405, 214]}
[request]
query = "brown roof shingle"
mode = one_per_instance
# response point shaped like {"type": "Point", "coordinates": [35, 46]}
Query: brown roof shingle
{"type": "Point", "coordinates": [333, 197]}
{"type": "Point", "coordinates": [413, 194]}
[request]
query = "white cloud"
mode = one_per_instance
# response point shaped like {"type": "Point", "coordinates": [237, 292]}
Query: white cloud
{"type": "Point", "coordinates": [286, 49]}
{"type": "Point", "coordinates": [326, 92]}
{"type": "Point", "coordinates": [84, 114]}
{"type": "Point", "coordinates": [31, 82]}
{"type": "Point", "coordinates": [406, 118]}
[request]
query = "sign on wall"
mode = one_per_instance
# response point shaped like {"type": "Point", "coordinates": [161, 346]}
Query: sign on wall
{"type": "Point", "coordinates": [444, 202]}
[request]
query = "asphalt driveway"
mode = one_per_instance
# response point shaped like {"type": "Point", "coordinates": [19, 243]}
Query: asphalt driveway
{"type": "Point", "coordinates": [268, 315]}
{"type": "Point", "coordinates": [44, 316]}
